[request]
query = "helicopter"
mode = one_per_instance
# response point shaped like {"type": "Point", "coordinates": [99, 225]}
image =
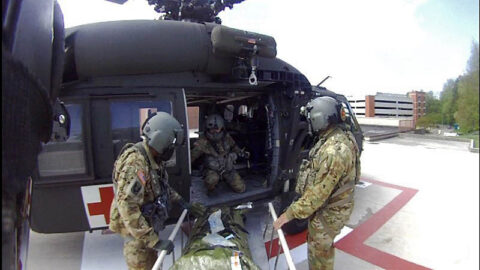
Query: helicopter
{"type": "Point", "coordinates": [32, 114]}
{"type": "Point", "coordinates": [116, 74]}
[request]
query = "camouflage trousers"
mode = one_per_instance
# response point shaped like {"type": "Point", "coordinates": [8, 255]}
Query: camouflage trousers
{"type": "Point", "coordinates": [322, 229]}
{"type": "Point", "coordinates": [232, 178]}
{"type": "Point", "coordinates": [138, 255]}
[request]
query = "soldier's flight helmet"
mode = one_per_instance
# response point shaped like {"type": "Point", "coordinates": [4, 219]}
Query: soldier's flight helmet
{"type": "Point", "coordinates": [215, 127]}
{"type": "Point", "coordinates": [163, 132]}
{"type": "Point", "coordinates": [321, 112]}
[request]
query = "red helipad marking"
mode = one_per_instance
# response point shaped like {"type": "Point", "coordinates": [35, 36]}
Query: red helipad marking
{"type": "Point", "coordinates": [102, 207]}
{"type": "Point", "coordinates": [292, 240]}
{"type": "Point", "coordinates": [353, 243]}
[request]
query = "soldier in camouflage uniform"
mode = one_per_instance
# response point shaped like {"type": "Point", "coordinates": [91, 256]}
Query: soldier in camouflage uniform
{"type": "Point", "coordinates": [140, 181]}
{"type": "Point", "coordinates": [325, 182]}
{"type": "Point", "coordinates": [219, 151]}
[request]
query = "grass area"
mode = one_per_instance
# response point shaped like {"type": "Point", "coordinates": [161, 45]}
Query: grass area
{"type": "Point", "coordinates": [475, 137]}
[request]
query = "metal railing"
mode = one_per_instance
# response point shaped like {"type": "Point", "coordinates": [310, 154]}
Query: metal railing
{"type": "Point", "coordinates": [283, 242]}
{"type": "Point", "coordinates": [173, 234]}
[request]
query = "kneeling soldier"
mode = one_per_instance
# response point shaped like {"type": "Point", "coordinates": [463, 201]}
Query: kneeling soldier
{"type": "Point", "coordinates": [219, 152]}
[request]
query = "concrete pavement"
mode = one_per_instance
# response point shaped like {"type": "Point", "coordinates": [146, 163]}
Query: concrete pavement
{"type": "Point", "coordinates": [418, 209]}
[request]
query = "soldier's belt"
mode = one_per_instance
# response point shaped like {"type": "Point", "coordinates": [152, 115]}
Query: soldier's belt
{"type": "Point", "coordinates": [341, 202]}
{"type": "Point", "coordinates": [342, 189]}
{"type": "Point", "coordinates": [327, 228]}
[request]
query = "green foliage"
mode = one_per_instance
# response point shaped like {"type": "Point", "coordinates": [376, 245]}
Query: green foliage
{"type": "Point", "coordinates": [432, 104]}
{"type": "Point", "coordinates": [448, 100]}
{"type": "Point", "coordinates": [467, 114]}
{"type": "Point", "coordinates": [459, 99]}
{"type": "Point", "coordinates": [429, 120]}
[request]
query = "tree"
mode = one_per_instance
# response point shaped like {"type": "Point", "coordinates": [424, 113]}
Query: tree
{"type": "Point", "coordinates": [433, 116]}
{"type": "Point", "coordinates": [467, 114]}
{"type": "Point", "coordinates": [448, 100]}
{"type": "Point", "coordinates": [432, 104]}
{"type": "Point", "coordinates": [429, 120]}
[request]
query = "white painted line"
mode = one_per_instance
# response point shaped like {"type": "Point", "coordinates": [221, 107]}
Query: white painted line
{"type": "Point", "coordinates": [300, 253]}
{"type": "Point", "coordinates": [105, 251]}
{"type": "Point", "coordinates": [102, 252]}
{"type": "Point", "coordinates": [345, 230]}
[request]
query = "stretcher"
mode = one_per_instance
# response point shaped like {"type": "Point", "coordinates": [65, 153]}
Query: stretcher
{"type": "Point", "coordinates": [219, 240]}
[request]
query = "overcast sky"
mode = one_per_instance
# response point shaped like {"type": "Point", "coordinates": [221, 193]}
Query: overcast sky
{"type": "Point", "coordinates": [367, 46]}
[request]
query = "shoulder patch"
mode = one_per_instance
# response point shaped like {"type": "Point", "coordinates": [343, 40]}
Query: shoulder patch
{"type": "Point", "coordinates": [136, 188]}
{"type": "Point", "coordinates": [141, 177]}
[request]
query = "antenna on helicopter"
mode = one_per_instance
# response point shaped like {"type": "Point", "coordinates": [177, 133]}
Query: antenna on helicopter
{"type": "Point", "coordinates": [192, 10]}
{"type": "Point", "coordinates": [323, 80]}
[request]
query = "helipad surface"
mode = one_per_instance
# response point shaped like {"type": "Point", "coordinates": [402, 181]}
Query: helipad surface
{"type": "Point", "coordinates": [417, 208]}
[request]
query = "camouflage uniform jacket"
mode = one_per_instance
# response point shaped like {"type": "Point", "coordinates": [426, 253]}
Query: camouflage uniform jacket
{"type": "Point", "coordinates": [135, 184]}
{"type": "Point", "coordinates": [331, 170]}
{"type": "Point", "coordinates": [219, 149]}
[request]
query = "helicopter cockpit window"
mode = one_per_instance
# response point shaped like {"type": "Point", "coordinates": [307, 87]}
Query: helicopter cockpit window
{"type": "Point", "coordinates": [349, 119]}
{"type": "Point", "coordinates": [243, 110]}
{"type": "Point", "coordinates": [65, 158]}
{"type": "Point", "coordinates": [250, 113]}
{"type": "Point", "coordinates": [228, 113]}
{"type": "Point", "coordinates": [345, 108]}
{"type": "Point", "coordinates": [128, 118]}
{"type": "Point", "coordinates": [193, 121]}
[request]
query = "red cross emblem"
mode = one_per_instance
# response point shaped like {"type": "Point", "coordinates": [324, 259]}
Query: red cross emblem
{"type": "Point", "coordinates": [102, 207]}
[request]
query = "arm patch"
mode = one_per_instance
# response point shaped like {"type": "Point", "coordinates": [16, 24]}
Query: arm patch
{"type": "Point", "coordinates": [141, 177]}
{"type": "Point", "coordinates": [136, 188]}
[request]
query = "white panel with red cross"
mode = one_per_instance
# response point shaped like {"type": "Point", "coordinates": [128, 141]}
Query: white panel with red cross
{"type": "Point", "coordinates": [97, 200]}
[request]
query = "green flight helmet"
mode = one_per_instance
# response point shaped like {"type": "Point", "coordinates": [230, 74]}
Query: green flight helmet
{"type": "Point", "coordinates": [321, 112]}
{"type": "Point", "coordinates": [215, 122]}
{"type": "Point", "coordinates": [163, 132]}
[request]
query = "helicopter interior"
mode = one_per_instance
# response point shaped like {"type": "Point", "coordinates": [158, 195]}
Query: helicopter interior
{"type": "Point", "coordinates": [246, 121]}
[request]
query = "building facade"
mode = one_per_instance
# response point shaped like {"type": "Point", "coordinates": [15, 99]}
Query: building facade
{"type": "Point", "coordinates": [382, 105]}
{"type": "Point", "coordinates": [418, 99]}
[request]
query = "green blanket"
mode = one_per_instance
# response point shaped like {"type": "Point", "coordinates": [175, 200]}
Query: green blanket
{"type": "Point", "coordinates": [217, 245]}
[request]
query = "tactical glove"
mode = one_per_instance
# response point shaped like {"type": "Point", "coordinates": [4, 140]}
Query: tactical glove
{"type": "Point", "coordinates": [164, 245]}
{"type": "Point", "coordinates": [184, 204]}
{"type": "Point", "coordinates": [198, 209]}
